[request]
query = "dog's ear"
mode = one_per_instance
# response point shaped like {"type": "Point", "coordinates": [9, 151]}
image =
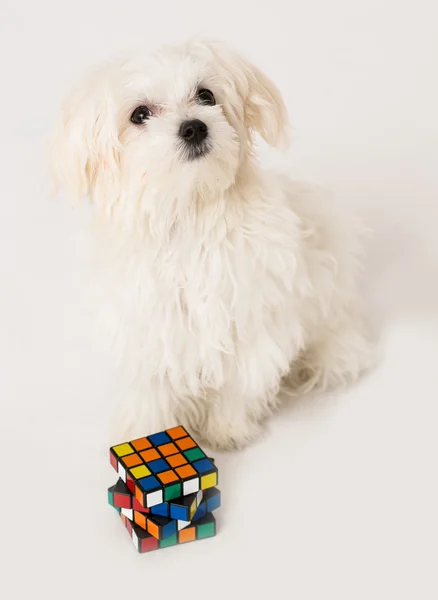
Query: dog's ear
{"type": "Point", "coordinates": [84, 148]}
{"type": "Point", "coordinates": [265, 111]}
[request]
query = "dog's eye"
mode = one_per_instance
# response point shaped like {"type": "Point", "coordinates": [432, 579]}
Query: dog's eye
{"type": "Point", "coordinates": [206, 97]}
{"type": "Point", "coordinates": [140, 115]}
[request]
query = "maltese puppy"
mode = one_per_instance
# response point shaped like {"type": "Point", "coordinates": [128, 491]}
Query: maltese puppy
{"type": "Point", "coordinates": [221, 283]}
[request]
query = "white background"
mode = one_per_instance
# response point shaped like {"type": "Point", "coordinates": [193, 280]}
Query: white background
{"type": "Point", "coordinates": [339, 499]}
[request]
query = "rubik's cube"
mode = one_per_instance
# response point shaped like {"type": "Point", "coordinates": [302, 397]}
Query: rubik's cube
{"type": "Point", "coordinates": [166, 491]}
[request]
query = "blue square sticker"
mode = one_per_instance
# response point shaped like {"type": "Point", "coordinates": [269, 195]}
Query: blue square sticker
{"type": "Point", "coordinates": [169, 529]}
{"type": "Point", "coordinates": [159, 438]}
{"type": "Point", "coordinates": [149, 483]}
{"type": "Point", "coordinates": [204, 465]}
{"type": "Point", "coordinates": [201, 512]}
{"type": "Point", "coordinates": [157, 466]}
{"type": "Point", "coordinates": [162, 510]}
{"type": "Point", "coordinates": [214, 502]}
{"type": "Point", "coordinates": [178, 512]}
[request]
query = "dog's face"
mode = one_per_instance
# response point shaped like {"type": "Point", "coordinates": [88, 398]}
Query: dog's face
{"type": "Point", "coordinates": [178, 124]}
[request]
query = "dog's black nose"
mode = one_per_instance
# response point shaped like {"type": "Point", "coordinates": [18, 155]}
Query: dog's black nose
{"type": "Point", "coordinates": [193, 132]}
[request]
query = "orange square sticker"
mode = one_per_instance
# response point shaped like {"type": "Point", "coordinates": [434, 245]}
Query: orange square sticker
{"type": "Point", "coordinates": [176, 432]}
{"type": "Point", "coordinates": [167, 477]}
{"type": "Point", "coordinates": [167, 449]}
{"type": "Point", "coordinates": [139, 496]}
{"type": "Point", "coordinates": [153, 529]}
{"type": "Point", "coordinates": [149, 455]}
{"type": "Point", "coordinates": [132, 460]}
{"type": "Point", "coordinates": [185, 443]}
{"type": "Point", "coordinates": [176, 460]}
{"type": "Point", "coordinates": [140, 519]}
{"type": "Point", "coordinates": [187, 535]}
{"type": "Point", "coordinates": [186, 471]}
{"type": "Point", "coordinates": [141, 444]}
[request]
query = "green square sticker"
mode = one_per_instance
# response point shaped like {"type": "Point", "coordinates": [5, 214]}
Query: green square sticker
{"type": "Point", "coordinates": [173, 491]}
{"type": "Point", "coordinates": [170, 541]}
{"type": "Point", "coordinates": [194, 454]}
{"type": "Point", "coordinates": [206, 530]}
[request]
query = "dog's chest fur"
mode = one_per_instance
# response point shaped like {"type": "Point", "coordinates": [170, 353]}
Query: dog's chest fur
{"type": "Point", "coordinates": [213, 293]}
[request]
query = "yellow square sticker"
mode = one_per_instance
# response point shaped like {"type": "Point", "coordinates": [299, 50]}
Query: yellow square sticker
{"type": "Point", "coordinates": [208, 481]}
{"type": "Point", "coordinates": [139, 472]}
{"type": "Point", "coordinates": [123, 450]}
{"type": "Point", "coordinates": [193, 508]}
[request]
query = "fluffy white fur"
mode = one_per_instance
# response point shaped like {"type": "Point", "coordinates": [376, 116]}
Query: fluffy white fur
{"type": "Point", "coordinates": [222, 282]}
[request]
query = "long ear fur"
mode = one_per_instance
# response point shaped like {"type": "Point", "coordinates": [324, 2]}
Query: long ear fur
{"type": "Point", "coordinates": [265, 111]}
{"type": "Point", "coordinates": [84, 146]}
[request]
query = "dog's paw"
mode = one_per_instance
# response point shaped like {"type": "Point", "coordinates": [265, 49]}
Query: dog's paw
{"type": "Point", "coordinates": [221, 435]}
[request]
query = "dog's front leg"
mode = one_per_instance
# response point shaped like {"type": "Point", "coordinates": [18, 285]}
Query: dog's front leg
{"type": "Point", "coordinates": [233, 419]}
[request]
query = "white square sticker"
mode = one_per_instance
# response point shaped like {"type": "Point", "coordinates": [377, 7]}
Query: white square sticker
{"type": "Point", "coordinates": [191, 486]}
{"type": "Point", "coordinates": [122, 473]}
{"type": "Point", "coordinates": [154, 498]}
{"type": "Point", "coordinates": [182, 524]}
{"type": "Point", "coordinates": [134, 538]}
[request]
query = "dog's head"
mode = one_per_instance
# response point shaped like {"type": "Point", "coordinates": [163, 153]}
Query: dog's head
{"type": "Point", "coordinates": [182, 121]}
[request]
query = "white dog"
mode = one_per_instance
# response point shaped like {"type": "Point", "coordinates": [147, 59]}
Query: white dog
{"type": "Point", "coordinates": [223, 282]}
